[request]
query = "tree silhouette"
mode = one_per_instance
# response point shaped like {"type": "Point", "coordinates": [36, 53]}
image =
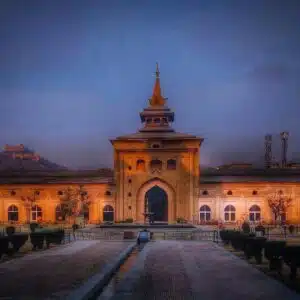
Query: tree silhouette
{"type": "Point", "coordinates": [279, 204]}
{"type": "Point", "coordinates": [73, 201]}
{"type": "Point", "coordinates": [29, 201]}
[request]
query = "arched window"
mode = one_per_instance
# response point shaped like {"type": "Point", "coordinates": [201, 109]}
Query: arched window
{"type": "Point", "coordinates": [157, 120]}
{"type": "Point", "coordinates": [229, 213]}
{"type": "Point", "coordinates": [254, 192]}
{"type": "Point", "coordinates": [36, 213]}
{"type": "Point", "coordinates": [12, 213]}
{"type": "Point", "coordinates": [205, 213]}
{"type": "Point", "coordinates": [171, 164]}
{"type": "Point", "coordinates": [205, 193]}
{"type": "Point", "coordinates": [60, 212]}
{"type": "Point", "coordinates": [254, 213]}
{"type": "Point", "coordinates": [108, 213]}
{"type": "Point", "coordinates": [229, 193]}
{"type": "Point", "coordinates": [140, 165]}
{"type": "Point", "coordinates": [156, 164]}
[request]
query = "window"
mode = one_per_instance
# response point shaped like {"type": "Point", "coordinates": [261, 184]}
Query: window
{"type": "Point", "coordinates": [108, 213]}
{"type": "Point", "coordinates": [86, 212]}
{"type": "Point", "coordinates": [229, 193]}
{"type": "Point", "coordinates": [36, 213]}
{"type": "Point", "coordinates": [155, 146]}
{"type": "Point", "coordinates": [60, 193]}
{"type": "Point", "coordinates": [205, 213]}
{"type": "Point", "coordinates": [12, 213]}
{"type": "Point", "coordinates": [205, 193]}
{"type": "Point", "coordinates": [108, 193]}
{"type": "Point", "coordinates": [60, 213]}
{"type": "Point", "coordinates": [156, 164]}
{"type": "Point", "coordinates": [129, 194]}
{"type": "Point", "coordinates": [129, 180]}
{"type": "Point", "coordinates": [254, 213]}
{"type": "Point", "coordinates": [129, 168]}
{"type": "Point", "coordinates": [229, 213]}
{"type": "Point", "coordinates": [254, 193]}
{"type": "Point", "coordinates": [129, 207]}
{"type": "Point", "coordinates": [140, 165]}
{"type": "Point", "coordinates": [13, 193]}
{"type": "Point", "coordinates": [148, 121]}
{"type": "Point", "coordinates": [165, 120]}
{"type": "Point", "coordinates": [171, 164]}
{"type": "Point", "coordinates": [157, 120]}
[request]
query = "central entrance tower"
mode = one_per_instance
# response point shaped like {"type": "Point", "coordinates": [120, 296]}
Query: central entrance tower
{"type": "Point", "coordinates": [156, 158]}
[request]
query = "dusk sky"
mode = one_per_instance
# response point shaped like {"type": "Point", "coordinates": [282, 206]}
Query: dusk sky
{"type": "Point", "coordinates": [75, 73]}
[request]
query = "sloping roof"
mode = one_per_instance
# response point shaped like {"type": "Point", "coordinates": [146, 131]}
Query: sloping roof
{"type": "Point", "coordinates": [157, 135]}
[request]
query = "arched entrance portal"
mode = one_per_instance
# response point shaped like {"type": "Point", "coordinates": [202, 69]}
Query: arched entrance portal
{"type": "Point", "coordinates": [156, 201]}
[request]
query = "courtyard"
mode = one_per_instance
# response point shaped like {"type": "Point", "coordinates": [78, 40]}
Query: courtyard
{"type": "Point", "coordinates": [191, 270]}
{"type": "Point", "coordinates": [54, 273]}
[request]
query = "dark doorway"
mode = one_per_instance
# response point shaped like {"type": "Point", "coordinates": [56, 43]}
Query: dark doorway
{"type": "Point", "coordinates": [157, 200]}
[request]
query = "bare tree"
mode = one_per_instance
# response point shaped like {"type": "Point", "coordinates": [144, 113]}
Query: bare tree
{"type": "Point", "coordinates": [279, 203]}
{"type": "Point", "coordinates": [73, 201]}
{"type": "Point", "coordinates": [29, 201]}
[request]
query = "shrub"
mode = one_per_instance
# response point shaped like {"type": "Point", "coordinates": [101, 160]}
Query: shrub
{"type": "Point", "coordinates": [226, 236]}
{"type": "Point", "coordinates": [33, 226]}
{"type": "Point", "coordinates": [291, 229]}
{"type": "Point", "coordinates": [3, 245]}
{"type": "Point", "coordinates": [128, 220]}
{"type": "Point", "coordinates": [10, 230]}
{"type": "Point", "coordinates": [291, 256]}
{"type": "Point", "coordinates": [37, 240]}
{"type": "Point", "coordinates": [75, 227]}
{"type": "Point", "coordinates": [54, 237]}
{"type": "Point", "coordinates": [254, 247]}
{"type": "Point", "coordinates": [274, 252]}
{"type": "Point", "coordinates": [18, 240]}
{"type": "Point", "coordinates": [181, 220]}
{"type": "Point", "coordinates": [246, 227]}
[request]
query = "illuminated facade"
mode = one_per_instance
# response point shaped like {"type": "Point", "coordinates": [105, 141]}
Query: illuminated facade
{"type": "Point", "coordinates": [155, 169]}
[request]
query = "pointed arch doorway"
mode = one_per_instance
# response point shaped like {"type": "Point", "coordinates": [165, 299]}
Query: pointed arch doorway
{"type": "Point", "coordinates": [156, 201]}
{"type": "Point", "coordinates": [141, 199]}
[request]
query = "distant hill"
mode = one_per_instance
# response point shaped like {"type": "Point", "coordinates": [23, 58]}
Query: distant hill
{"type": "Point", "coordinates": [22, 159]}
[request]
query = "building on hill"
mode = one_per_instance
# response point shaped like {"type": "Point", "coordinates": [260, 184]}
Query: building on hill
{"type": "Point", "coordinates": [156, 169]}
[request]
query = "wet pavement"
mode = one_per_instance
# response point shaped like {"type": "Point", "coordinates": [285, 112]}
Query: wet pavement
{"type": "Point", "coordinates": [180, 270]}
{"type": "Point", "coordinates": [54, 273]}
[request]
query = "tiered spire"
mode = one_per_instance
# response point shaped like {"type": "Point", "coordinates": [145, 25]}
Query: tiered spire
{"type": "Point", "coordinates": [157, 117]}
{"type": "Point", "coordinates": [157, 99]}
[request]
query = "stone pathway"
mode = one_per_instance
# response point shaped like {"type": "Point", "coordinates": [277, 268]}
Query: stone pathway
{"type": "Point", "coordinates": [53, 273]}
{"type": "Point", "coordinates": [196, 270]}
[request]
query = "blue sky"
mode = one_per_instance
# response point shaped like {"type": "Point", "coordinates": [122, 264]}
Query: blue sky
{"type": "Point", "coordinates": [75, 73]}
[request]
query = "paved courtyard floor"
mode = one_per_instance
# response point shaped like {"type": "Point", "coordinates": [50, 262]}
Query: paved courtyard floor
{"type": "Point", "coordinates": [196, 270]}
{"type": "Point", "coordinates": [52, 274]}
